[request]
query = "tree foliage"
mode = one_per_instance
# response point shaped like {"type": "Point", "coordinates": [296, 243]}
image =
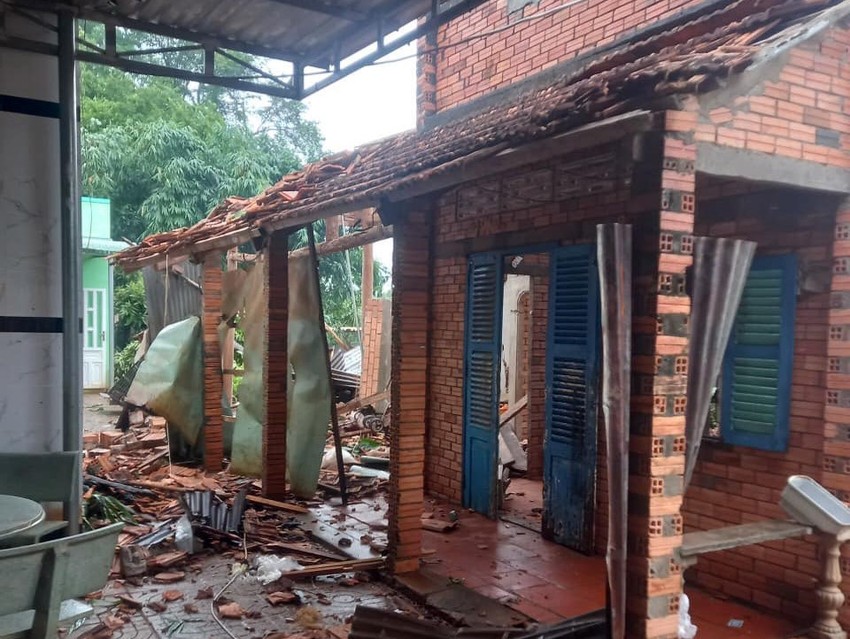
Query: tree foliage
{"type": "Point", "coordinates": [165, 152]}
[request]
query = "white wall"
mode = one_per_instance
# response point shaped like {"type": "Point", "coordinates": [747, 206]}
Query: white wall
{"type": "Point", "coordinates": [30, 255]}
{"type": "Point", "coordinates": [515, 286]}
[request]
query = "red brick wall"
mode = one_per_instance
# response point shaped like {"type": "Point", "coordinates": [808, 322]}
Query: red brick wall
{"type": "Point", "coordinates": [472, 69]}
{"type": "Point", "coordinates": [482, 212]}
{"type": "Point", "coordinates": [372, 330]}
{"type": "Point", "coordinates": [733, 484]}
{"type": "Point", "coordinates": [797, 110]}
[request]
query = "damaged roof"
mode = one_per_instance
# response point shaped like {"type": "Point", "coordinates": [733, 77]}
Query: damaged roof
{"type": "Point", "coordinates": [694, 57]}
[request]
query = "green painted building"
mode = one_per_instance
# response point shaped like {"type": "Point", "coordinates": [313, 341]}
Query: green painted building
{"type": "Point", "coordinates": [98, 321]}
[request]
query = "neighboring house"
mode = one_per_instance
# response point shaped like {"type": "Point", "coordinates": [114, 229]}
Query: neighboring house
{"type": "Point", "coordinates": [98, 324]}
{"type": "Point", "coordinates": [681, 118]}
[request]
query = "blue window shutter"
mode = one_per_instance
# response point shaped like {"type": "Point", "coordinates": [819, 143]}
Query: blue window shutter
{"type": "Point", "coordinates": [481, 381]}
{"type": "Point", "coordinates": [755, 389]}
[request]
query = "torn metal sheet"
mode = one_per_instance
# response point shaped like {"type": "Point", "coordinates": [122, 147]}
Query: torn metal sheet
{"type": "Point", "coordinates": [720, 273]}
{"type": "Point", "coordinates": [206, 507]}
{"type": "Point", "coordinates": [309, 394]}
{"type": "Point", "coordinates": [247, 440]}
{"type": "Point", "coordinates": [170, 379]}
{"type": "Point", "coordinates": [182, 298]}
{"type": "Point", "coordinates": [614, 250]}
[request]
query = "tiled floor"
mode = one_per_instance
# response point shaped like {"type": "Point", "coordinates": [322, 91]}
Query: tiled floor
{"type": "Point", "coordinates": [549, 582]}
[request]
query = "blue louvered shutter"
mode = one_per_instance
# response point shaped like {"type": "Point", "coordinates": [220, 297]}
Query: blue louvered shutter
{"type": "Point", "coordinates": [571, 396]}
{"type": "Point", "coordinates": [755, 389]}
{"type": "Point", "coordinates": [481, 381]}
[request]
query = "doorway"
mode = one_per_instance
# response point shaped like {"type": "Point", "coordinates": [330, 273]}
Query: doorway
{"type": "Point", "coordinates": [94, 338]}
{"type": "Point", "coordinates": [531, 376]}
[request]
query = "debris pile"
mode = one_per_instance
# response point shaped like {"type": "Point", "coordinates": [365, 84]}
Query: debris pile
{"type": "Point", "coordinates": [174, 512]}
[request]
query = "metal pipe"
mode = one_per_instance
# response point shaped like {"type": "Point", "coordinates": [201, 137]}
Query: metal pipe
{"type": "Point", "coordinates": [72, 360]}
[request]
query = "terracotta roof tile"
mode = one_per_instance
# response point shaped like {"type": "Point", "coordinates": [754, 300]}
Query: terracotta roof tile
{"type": "Point", "coordinates": [693, 58]}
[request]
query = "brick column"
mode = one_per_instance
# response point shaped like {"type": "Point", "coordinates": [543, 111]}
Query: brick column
{"type": "Point", "coordinates": [663, 248]}
{"type": "Point", "coordinates": [276, 366]}
{"type": "Point", "coordinates": [213, 380]}
{"type": "Point", "coordinates": [426, 79]}
{"type": "Point", "coordinates": [411, 316]}
{"type": "Point", "coordinates": [836, 441]}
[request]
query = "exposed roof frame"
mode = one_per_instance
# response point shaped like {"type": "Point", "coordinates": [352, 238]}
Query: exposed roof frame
{"type": "Point", "coordinates": [295, 87]}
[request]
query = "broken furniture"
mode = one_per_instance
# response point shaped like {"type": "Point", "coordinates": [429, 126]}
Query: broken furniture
{"type": "Point", "coordinates": [44, 477]}
{"type": "Point", "coordinates": [48, 576]}
{"type": "Point", "coordinates": [814, 509]}
{"type": "Point", "coordinates": [17, 515]}
{"type": "Point", "coordinates": [806, 500]}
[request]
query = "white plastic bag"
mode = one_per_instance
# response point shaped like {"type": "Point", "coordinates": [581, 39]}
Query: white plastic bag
{"type": "Point", "coordinates": [271, 567]}
{"type": "Point", "coordinates": [687, 630]}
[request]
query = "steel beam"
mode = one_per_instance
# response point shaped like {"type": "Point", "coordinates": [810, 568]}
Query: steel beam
{"type": "Point", "coordinates": [72, 281]}
{"type": "Point", "coordinates": [147, 68]}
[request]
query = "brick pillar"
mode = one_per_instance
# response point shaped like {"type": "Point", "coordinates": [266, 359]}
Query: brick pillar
{"type": "Point", "coordinates": [836, 441]}
{"type": "Point", "coordinates": [411, 305]}
{"type": "Point", "coordinates": [657, 458]}
{"type": "Point", "coordinates": [213, 380]}
{"type": "Point", "coordinates": [426, 79]}
{"type": "Point", "coordinates": [276, 366]}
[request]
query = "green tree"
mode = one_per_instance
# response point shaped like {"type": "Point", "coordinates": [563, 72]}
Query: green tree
{"type": "Point", "coordinates": [165, 152]}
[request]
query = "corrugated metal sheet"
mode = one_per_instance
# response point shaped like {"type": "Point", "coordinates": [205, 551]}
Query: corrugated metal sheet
{"type": "Point", "coordinates": [286, 28]}
{"type": "Point", "coordinates": [614, 248]}
{"type": "Point", "coordinates": [100, 245]}
{"type": "Point", "coordinates": [720, 273]}
{"type": "Point", "coordinates": [184, 295]}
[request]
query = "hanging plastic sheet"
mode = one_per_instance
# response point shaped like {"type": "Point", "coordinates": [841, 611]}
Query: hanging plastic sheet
{"type": "Point", "coordinates": [309, 392]}
{"type": "Point", "coordinates": [720, 272]}
{"type": "Point", "coordinates": [614, 250]}
{"type": "Point", "coordinates": [170, 379]}
{"type": "Point", "coordinates": [247, 444]}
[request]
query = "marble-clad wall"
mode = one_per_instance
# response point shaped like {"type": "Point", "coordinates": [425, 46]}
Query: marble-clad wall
{"type": "Point", "coordinates": [30, 250]}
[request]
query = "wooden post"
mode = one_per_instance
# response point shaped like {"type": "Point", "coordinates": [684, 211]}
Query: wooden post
{"type": "Point", "coordinates": [367, 287]}
{"type": "Point", "coordinates": [830, 596]}
{"type": "Point", "coordinates": [213, 383]}
{"type": "Point", "coordinates": [276, 366]}
{"type": "Point", "coordinates": [227, 347]}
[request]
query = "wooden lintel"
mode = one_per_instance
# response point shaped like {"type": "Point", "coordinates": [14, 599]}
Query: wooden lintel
{"type": "Point", "coordinates": [346, 242]}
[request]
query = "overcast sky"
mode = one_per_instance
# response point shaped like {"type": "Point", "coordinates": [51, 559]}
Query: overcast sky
{"type": "Point", "coordinates": [370, 104]}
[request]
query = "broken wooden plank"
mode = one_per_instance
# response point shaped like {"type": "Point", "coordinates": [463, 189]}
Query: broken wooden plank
{"type": "Point", "coordinates": [513, 410]}
{"type": "Point", "coordinates": [353, 565]}
{"type": "Point", "coordinates": [359, 402]}
{"type": "Point", "coordinates": [282, 505]}
{"type": "Point", "coordinates": [304, 549]}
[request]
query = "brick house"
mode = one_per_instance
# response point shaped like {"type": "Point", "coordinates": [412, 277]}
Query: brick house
{"type": "Point", "coordinates": [680, 118]}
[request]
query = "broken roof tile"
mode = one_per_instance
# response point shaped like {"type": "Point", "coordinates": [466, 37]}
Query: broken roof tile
{"type": "Point", "coordinates": [691, 58]}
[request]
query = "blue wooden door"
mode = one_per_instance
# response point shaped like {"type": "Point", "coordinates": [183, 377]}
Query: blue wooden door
{"type": "Point", "coordinates": [481, 382]}
{"type": "Point", "coordinates": [572, 356]}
